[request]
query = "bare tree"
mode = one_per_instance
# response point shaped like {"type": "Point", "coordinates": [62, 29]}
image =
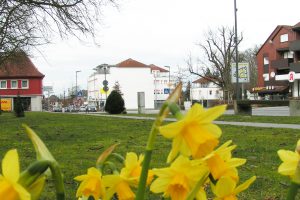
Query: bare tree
{"type": "Point", "coordinates": [219, 50]}
{"type": "Point", "coordinates": [28, 23]}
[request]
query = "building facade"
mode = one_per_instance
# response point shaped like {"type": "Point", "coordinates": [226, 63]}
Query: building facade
{"type": "Point", "coordinates": [19, 76]}
{"type": "Point", "coordinates": [132, 77]}
{"type": "Point", "coordinates": [278, 63]}
{"type": "Point", "coordinates": [204, 90]}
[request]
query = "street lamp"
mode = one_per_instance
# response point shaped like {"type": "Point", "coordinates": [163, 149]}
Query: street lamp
{"type": "Point", "coordinates": [76, 84]}
{"type": "Point", "coordinates": [169, 80]}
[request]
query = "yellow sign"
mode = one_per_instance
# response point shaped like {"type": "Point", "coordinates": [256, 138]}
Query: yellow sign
{"type": "Point", "coordinates": [6, 104]}
{"type": "Point", "coordinates": [103, 92]}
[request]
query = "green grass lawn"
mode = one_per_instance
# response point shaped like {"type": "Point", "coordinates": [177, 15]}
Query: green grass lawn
{"type": "Point", "coordinates": [77, 140]}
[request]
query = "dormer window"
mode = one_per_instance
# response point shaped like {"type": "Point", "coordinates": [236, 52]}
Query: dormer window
{"type": "Point", "coordinates": [14, 84]}
{"type": "Point", "coordinates": [284, 38]}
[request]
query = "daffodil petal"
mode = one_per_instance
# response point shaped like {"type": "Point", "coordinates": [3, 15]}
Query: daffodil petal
{"type": "Point", "coordinates": [213, 129]}
{"type": "Point", "coordinates": [289, 156]}
{"type": "Point", "coordinates": [235, 162]}
{"type": "Point", "coordinates": [224, 186]}
{"type": "Point", "coordinates": [245, 185]}
{"type": "Point", "coordinates": [288, 168]}
{"type": "Point", "coordinates": [213, 113]}
{"type": "Point", "coordinates": [111, 180]}
{"type": "Point", "coordinates": [172, 129]}
{"type": "Point", "coordinates": [94, 171]}
{"type": "Point", "coordinates": [176, 144]}
{"type": "Point", "coordinates": [160, 185]}
{"type": "Point", "coordinates": [10, 166]}
{"type": "Point", "coordinates": [81, 177]}
{"type": "Point", "coordinates": [195, 112]}
{"type": "Point", "coordinates": [23, 194]}
{"type": "Point", "coordinates": [131, 159]}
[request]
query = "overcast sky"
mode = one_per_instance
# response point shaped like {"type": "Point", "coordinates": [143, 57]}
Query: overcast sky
{"type": "Point", "coordinates": [160, 32]}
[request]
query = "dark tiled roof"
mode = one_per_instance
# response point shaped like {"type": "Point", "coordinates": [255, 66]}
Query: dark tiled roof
{"type": "Point", "coordinates": [154, 67]}
{"type": "Point", "coordinates": [19, 66]}
{"type": "Point", "coordinates": [131, 63]}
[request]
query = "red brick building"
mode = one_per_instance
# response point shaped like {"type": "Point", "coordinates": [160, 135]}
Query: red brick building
{"type": "Point", "coordinates": [19, 76]}
{"type": "Point", "coordinates": [278, 62]}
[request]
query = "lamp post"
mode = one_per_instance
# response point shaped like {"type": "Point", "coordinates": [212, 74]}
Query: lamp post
{"type": "Point", "coordinates": [76, 84]}
{"type": "Point", "coordinates": [236, 53]}
{"type": "Point", "coordinates": [169, 84]}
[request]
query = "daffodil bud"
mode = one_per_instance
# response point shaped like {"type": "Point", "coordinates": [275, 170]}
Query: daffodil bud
{"type": "Point", "coordinates": [33, 172]}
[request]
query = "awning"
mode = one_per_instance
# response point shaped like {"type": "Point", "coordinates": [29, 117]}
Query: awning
{"type": "Point", "coordinates": [271, 90]}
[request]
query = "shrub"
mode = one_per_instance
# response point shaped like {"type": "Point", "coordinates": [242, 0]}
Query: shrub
{"type": "Point", "coordinates": [18, 107]}
{"type": "Point", "coordinates": [114, 103]}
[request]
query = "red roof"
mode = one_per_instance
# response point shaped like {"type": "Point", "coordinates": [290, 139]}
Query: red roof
{"type": "Point", "coordinates": [19, 66]}
{"type": "Point", "coordinates": [154, 67]}
{"type": "Point", "coordinates": [205, 80]}
{"type": "Point", "coordinates": [131, 63]}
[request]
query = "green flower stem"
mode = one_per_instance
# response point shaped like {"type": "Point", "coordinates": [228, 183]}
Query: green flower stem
{"type": "Point", "coordinates": [149, 148]}
{"type": "Point", "coordinates": [193, 193]}
{"type": "Point", "coordinates": [58, 181]}
{"type": "Point", "coordinates": [112, 167]}
{"type": "Point", "coordinates": [292, 193]}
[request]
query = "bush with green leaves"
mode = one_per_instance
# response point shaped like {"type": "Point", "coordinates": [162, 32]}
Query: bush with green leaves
{"type": "Point", "coordinates": [18, 107]}
{"type": "Point", "coordinates": [114, 103]}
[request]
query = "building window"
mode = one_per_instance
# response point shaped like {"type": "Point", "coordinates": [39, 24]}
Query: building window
{"type": "Point", "coordinates": [266, 60]}
{"type": "Point", "coordinates": [25, 84]}
{"type": "Point", "coordinates": [284, 38]}
{"type": "Point", "coordinates": [13, 84]}
{"type": "Point", "coordinates": [3, 84]}
{"type": "Point", "coordinates": [210, 92]}
{"type": "Point", "coordinates": [288, 54]}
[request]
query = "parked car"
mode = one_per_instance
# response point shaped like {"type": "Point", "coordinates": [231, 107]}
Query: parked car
{"type": "Point", "coordinates": [57, 109]}
{"type": "Point", "coordinates": [82, 109]}
{"type": "Point", "coordinates": [92, 108]}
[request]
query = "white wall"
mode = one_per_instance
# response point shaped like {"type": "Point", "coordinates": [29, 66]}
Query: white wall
{"type": "Point", "coordinates": [36, 103]}
{"type": "Point", "coordinates": [131, 80]}
{"type": "Point", "coordinates": [211, 92]}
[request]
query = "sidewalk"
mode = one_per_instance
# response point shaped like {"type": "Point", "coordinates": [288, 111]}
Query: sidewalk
{"type": "Point", "coordinates": [251, 124]}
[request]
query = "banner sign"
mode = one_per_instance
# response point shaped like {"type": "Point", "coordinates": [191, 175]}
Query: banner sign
{"type": "Point", "coordinates": [6, 104]}
{"type": "Point", "coordinates": [243, 73]}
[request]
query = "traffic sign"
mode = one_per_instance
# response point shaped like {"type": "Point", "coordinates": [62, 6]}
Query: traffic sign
{"type": "Point", "coordinates": [105, 82]}
{"type": "Point", "coordinates": [291, 76]}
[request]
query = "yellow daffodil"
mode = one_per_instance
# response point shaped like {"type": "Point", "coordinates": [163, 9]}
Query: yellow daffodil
{"type": "Point", "coordinates": [195, 135]}
{"type": "Point", "coordinates": [91, 184]}
{"type": "Point", "coordinates": [220, 162]}
{"type": "Point", "coordinates": [226, 189]}
{"type": "Point", "coordinates": [9, 187]}
{"type": "Point", "coordinates": [129, 177]}
{"type": "Point", "coordinates": [290, 162]}
{"type": "Point", "coordinates": [177, 180]}
{"type": "Point", "coordinates": [133, 168]}
{"type": "Point", "coordinates": [119, 185]}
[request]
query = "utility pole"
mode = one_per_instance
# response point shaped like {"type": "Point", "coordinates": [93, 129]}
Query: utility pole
{"type": "Point", "coordinates": [76, 87]}
{"type": "Point", "coordinates": [236, 53]}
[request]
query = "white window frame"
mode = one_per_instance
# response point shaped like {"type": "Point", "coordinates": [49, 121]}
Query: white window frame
{"type": "Point", "coordinates": [284, 38]}
{"type": "Point", "coordinates": [11, 81]}
{"type": "Point", "coordinates": [22, 83]}
{"type": "Point", "coordinates": [5, 84]}
{"type": "Point", "coordinates": [266, 60]}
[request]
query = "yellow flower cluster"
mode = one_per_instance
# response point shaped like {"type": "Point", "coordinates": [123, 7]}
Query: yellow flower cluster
{"type": "Point", "coordinates": [194, 139]}
{"type": "Point", "coordinates": [121, 184]}
{"type": "Point", "coordinates": [195, 162]}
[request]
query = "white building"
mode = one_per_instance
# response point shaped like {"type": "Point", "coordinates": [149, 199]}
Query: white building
{"type": "Point", "coordinates": [163, 84]}
{"type": "Point", "coordinates": [204, 90]}
{"type": "Point", "coordinates": [133, 77]}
